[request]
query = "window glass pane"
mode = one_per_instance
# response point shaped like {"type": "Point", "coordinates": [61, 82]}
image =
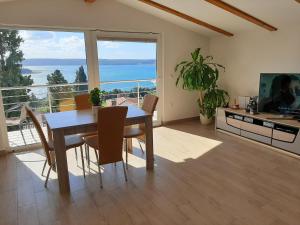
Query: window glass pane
{"type": "Point", "coordinates": [39, 68]}
{"type": "Point", "coordinates": [127, 71]}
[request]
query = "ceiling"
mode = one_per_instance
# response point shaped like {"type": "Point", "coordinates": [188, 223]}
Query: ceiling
{"type": "Point", "coordinates": [279, 13]}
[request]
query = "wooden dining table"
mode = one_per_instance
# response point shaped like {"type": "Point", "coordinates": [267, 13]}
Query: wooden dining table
{"type": "Point", "coordinates": [61, 124]}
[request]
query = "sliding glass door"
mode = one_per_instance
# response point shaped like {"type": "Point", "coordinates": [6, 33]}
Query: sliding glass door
{"type": "Point", "coordinates": [43, 69]}
{"type": "Point", "coordinates": [128, 70]}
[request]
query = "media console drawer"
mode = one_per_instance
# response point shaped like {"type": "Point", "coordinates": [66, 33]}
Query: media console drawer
{"type": "Point", "coordinates": [256, 129]}
{"type": "Point", "coordinates": [283, 136]}
{"type": "Point", "coordinates": [234, 122]}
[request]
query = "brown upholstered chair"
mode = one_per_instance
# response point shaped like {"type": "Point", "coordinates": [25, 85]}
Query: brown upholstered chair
{"type": "Point", "coordinates": [109, 140]}
{"type": "Point", "coordinates": [82, 102]}
{"type": "Point", "coordinates": [66, 105]}
{"type": "Point", "coordinates": [71, 141]}
{"type": "Point", "coordinates": [149, 105]}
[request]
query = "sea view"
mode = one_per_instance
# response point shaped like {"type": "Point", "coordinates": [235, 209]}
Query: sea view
{"type": "Point", "coordinates": [110, 70]}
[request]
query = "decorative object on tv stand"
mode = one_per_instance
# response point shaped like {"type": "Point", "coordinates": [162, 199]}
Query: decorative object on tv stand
{"type": "Point", "coordinates": [201, 74]}
{"type": "Point", "coordinates": [252, 105]}
{"type": "Point", "coordinates": [97, 99]}
{"type": "Point", "coordinates": [243, 101]}
{"type": "Point", "coordinates": [235, 104]}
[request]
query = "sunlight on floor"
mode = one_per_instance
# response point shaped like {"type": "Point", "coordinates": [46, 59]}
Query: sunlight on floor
{"type": "Point", "coordinates": [184, 145]}
{"type": "Point", "coordinates": [30, 137]}
{"type": "Point", "coordinates": [34, 161]}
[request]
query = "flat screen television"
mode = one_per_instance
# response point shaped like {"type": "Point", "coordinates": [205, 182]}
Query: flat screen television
{"type": "Point", "coordinates": [279, 93]}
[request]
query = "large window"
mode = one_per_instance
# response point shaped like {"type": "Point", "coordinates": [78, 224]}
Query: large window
{"type": "Point", "coordinates": [127, 70]}
{"type": "Point", "coordinates": [44, 69]}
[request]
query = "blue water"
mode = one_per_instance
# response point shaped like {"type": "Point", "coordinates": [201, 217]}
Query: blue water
{"type": "Point", "coordinates": [107, 73]}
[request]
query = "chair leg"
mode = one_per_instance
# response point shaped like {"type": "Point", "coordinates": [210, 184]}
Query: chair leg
{"type": "Point", "coordinates": [125, 173]}
{"type": "Point", "coordinates": [82, 160]}
{"type": "Point", "coordinates": [96, 154]}
{"type": "Point", "coordinates": [44, 167]}
{"type": "Point", "coordinates": [141, 146]}
{"type": "Point", "coordinates": [99, 169]}
{"type": "Point", "coordinates": [88, 157]}
{"type": "Point", "coordinates": [126, 149]}
{"type": "Point", "coordinates": [47, 177]}
{"type": "Point", "coordinates": [76, 156]}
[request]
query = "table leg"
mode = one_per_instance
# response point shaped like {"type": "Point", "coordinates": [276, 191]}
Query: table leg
{"type": "Point", "coordinates": [129, 144]}
{"type": "Point", "coordinates": [149, 143]}
{"type": "Point", "coordinates": [61, 161]}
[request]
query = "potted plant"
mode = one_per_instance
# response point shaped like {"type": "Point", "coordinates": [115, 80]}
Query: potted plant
{"type": "Point", "coordinates": [201, 74]}
{"type": "Point", "coordinates": [96, 98]}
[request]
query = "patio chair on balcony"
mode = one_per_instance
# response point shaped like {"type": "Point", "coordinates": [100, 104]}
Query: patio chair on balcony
{"type": "Point", "coordinates": [21, 121]}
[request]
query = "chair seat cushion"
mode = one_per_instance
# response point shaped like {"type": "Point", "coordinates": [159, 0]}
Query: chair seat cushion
{"type": "Point", "coordinates": [92, 141]}
{"type": "Point", "coordinates": [71, 141]}
{"type": "Point", "coordinates": [132, 132]}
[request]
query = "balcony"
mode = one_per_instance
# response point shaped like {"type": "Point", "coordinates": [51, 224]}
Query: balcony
{"type": "Point", "coordinates": [55, 98]}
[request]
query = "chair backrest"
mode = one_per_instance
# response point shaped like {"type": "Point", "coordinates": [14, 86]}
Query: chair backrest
{"type": "Point", "coordinates": [40, 133]}
{"type": "Point", "coordinates": [149, 104]}
{"type": "Point", "coordinates": [66, 105]}
{"type": "Point", "coordinates": [111, 121]}
{"type": "Point", "coordinates": [23, 115]}
{"type": "Point", "coordinates": [82, 102]}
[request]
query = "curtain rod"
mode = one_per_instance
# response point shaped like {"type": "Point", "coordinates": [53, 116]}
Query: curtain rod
{"type": "Point", "coordinates": [128, 32]}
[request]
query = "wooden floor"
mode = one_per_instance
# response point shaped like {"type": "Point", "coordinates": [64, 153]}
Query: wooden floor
{"type": "Point", "coordinates": [201, 177]}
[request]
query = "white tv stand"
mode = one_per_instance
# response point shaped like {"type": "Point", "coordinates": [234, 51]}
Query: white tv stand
{"type": "Point", "coordinates": [264, 128]}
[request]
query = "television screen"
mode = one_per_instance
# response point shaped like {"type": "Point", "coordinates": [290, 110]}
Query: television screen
{"type": "Point", "coordinates": [279, 93]}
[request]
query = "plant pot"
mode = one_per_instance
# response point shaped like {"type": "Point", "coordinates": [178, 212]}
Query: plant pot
{"type": "Point", "coordinates": [95, 109]}
{"type": "Point", "coordinates": [204, 120]}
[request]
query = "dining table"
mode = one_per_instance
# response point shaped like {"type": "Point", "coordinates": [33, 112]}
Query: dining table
{"type": "Point", "coordinates": [60, 124]}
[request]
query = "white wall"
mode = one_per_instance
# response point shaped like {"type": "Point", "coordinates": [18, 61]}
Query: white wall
{"type": "Point", "coordinates": [111, 15]}
{"type": "Point", "coordinates": [247, 55]}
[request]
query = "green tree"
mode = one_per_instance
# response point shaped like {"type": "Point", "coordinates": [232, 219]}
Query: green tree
{"type": "Point", "coordinates": [59, 93]}
{"type": "Point", "coordinates": [11, 58]}
{"type": "Point", "coordinates": [81, 78]}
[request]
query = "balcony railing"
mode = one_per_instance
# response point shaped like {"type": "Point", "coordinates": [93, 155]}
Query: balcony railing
{"type": "Point", "coordinates": [54, 98]}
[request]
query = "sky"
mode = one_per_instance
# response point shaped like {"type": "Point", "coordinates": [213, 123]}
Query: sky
{"type": "Point", "coordinates": [70, 45]}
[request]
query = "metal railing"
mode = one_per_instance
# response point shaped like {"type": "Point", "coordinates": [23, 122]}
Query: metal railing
{"type": "Point", "coordinates": [60, 97]}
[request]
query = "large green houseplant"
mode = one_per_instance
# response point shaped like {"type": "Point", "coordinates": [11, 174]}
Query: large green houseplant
{"type": "Point", "coordinates": [201, 74]}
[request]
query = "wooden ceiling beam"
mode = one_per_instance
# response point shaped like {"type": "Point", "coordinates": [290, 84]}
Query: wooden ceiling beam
{"type": "Point", "coordinates": [229, 8]}
{"type": "Point", "coordinates": [186, 17]}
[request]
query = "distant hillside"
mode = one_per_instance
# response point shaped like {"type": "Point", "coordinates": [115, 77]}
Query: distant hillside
{"type": "Point", "coordinates": [50, 62]}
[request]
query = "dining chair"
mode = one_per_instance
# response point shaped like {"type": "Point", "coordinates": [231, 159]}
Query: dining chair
{"type": "Point", "coordinates": [66, 105]}
{"type": "Point", "coordinates": [82, 102]}
{"type": "Point", "coordinates": [149, 105]}
{"type": "Point", "coordinates": [109, 140]}
{"type": "Point", "coordinates": [71, 141]}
